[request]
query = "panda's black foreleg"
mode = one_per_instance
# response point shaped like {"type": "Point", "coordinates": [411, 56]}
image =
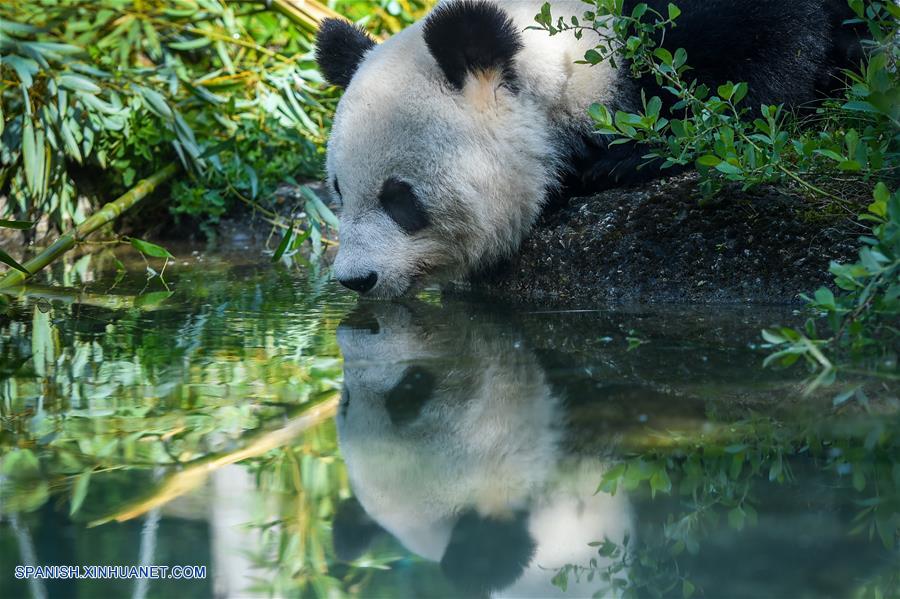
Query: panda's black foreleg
{"type": "Point", "coordinates": [595, 166]}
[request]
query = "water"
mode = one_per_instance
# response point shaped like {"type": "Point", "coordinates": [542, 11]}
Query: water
{"type": "Point", "coordinates": [457, 449]}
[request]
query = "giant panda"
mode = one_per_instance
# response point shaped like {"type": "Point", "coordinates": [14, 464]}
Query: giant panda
{"type": "Point", "coordinates": [456, 445]}
{"type": "Point", "coordinates": [451, 136]}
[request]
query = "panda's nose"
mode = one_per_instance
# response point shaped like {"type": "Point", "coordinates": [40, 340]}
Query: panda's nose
{"type": "Point", "coordinates": [360, 284]}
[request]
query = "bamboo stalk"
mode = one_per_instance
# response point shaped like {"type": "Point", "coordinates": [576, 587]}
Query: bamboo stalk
{"type": "Point", "coordinates": [305, 13]}
{"type": "Point", "coordinates": [106, 214]}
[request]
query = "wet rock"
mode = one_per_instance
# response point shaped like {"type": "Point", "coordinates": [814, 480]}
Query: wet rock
{"type": "Point", "coordinates": [657, 243]}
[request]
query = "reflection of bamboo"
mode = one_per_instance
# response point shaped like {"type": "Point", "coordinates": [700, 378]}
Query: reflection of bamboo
{"type": "Point", "coordinates": [68, 295]}
{"type": "Point", "coordinates": [194, 475]}
{"type": "Point", "coordinates": [108, 213]}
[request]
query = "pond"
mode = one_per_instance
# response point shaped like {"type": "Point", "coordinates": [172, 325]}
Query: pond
{"type": "Point", "coordinates": [260, 422]}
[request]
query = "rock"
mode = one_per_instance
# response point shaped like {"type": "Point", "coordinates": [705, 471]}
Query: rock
{"type": "Point", "coordinates": [657, 243]}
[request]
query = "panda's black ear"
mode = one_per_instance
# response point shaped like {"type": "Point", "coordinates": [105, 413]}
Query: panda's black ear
{"type": "Point", "coordinates": [469, 36]}
{"type": "Point", "coordinates": [340, 48]}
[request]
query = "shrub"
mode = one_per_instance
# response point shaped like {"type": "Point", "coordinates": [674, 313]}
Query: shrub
{"type": "Point", "coordinates": [857, 136]}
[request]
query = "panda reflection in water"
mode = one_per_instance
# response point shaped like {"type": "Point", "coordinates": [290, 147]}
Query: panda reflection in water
{"type": "Point", "coordinates": [456, 446]}
{"type": "Point", "coordinates": [451, 135]}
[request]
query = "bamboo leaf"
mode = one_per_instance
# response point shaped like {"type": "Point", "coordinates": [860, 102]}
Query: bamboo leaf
{"type": "Point", "coordinates": [79, 84]}
{"type": "Point", "coordinates": [71, 145]}
{"type": "Point", "coordinates": [194, 44]}
{"type": "Point", "coordinates": [285, 242]}
{"type": "Point", "coordinates": [150, 249]}
{"type": "Point", "coordinates": [29, 155]}
{"type": "Point", "coordinates": [323, 211]}
{"type": "Point", "coordinates": [21, 225]}
{"type": "Point", "coordinates": [155, 101]}
{"type": "Point", "coordinates": [9, 261]}
{"type": "Point", "coordinates": [25, 68]}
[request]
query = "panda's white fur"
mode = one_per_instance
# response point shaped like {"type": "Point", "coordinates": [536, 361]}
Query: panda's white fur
{"type": "Point", "coordinates": [398, 118]}
{"type": "Point", "coordinates": [481, 146]}
{"type": "Point", "coordinates": [485, 436]}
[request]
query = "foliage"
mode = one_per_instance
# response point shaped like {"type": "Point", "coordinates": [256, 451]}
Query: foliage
{"type": "Point", "coordinates": [857, 136]}
{"type": "Point", "coordinates": [98, 95]}
{"type": "Point", "coordinates": [383, 16]}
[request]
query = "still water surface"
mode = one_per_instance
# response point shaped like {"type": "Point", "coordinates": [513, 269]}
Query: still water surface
{"type": "Point", "coordinates": [262, 423]}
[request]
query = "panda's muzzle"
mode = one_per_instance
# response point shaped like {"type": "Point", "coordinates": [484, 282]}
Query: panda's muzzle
{"type": "Point", "coordinates": [361, 285]}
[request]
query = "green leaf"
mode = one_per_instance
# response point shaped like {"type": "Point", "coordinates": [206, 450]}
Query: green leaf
{"type": "Point", "coordinates": [155, 101]}
{"type": "Point", "coordinates": [21, 225]}
{"type": "Point", "coordinates": [30, 155]}
{"type": "Point", "coordinates": [593, 57]}
{"type": "Point", "coordinates": [709, 160]}
{"type": "Point", "coordinates": [323, 211]}
{"type": "Point", "coordinates": [725, 90]}
{"type": "Point", "coordinates": [72, 148]}
{"type": "Point", "coordinates": [664, 56]}
{"type": "Point", "coordinates": [824, 297]}
{"type": "Point", "coordinates": [687, 587]}
{"type": "Point", "coordinates": [881, 193]}
{"type": "Point", "coordinates": [79, 491]}
{"type": "Point", "coordinates": [600, 114]}
{"type": "Point", "coordinates": [285, 242]}
{"type": "Point", "coordinates": [860, 106]}
{"type": "Point", "coordinates": [194, 44]}
{"type": "Point", "coordinates": [773, 337]}
{"type": "Point", "coordinates": [728, 168]}
{"type": "Point", "coordinates": [79, 83]}
{"type": "Point", "coordinates": [9, 261]}
{"type": "Point", "coordinates": [674, 12]}
{"type": "Point", "coordinates": [150, 249]}
{"type": "Point", "coordinates": [25, 68]}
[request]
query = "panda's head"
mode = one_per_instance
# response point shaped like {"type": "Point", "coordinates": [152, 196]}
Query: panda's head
{"type": "Point", "coordinates": [435, 153]}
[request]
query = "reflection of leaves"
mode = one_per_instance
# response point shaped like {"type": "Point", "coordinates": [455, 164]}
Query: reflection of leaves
{"type": "Point", "coordinates": [21, 464]}
{"type": "Point", "coordinates": [153, 298]}
{"type": "Point", "coordinates": [24, 497]}
{"type": "Point", "coordinates": [79, 491]}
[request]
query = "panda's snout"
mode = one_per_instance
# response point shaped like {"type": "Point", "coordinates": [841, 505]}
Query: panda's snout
{"type": "Point", "coordinates": [360, 285]}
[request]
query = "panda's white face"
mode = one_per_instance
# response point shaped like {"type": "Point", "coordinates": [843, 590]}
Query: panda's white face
{"type": "Point", "coordinates": [434, 178]}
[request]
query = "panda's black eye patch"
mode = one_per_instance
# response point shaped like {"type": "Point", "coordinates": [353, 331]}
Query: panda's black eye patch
{"type": "Point", "coordinates": [404, 402]}
{"type": "Point", "coordinates": [400, 202]}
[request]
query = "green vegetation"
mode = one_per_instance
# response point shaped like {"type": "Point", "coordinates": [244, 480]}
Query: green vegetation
{"type": "Point", "coordinates": [852, 144]}
{"type": "Point", "coordinates": [98, 95]}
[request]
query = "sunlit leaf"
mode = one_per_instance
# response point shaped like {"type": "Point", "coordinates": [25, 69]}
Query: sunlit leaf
{"type": "Point", "coordinates": [150, 249]}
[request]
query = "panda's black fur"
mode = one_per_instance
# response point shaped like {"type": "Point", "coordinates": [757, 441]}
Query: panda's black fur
{"type": "Point", "coordinates": [339, 49]}
{"type": "Point", "coordinates": [489, 39]}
